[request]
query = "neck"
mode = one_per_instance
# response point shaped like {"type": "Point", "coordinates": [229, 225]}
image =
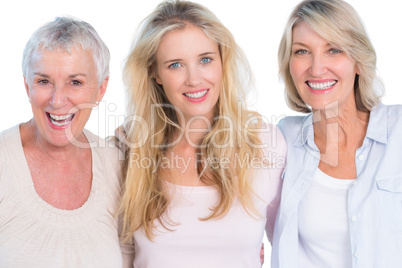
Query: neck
{"type": "Point", "coordinates": [348, 118]}
{"type": "Point", "coordinates": [339, 128]}
{"type": "Point", "coordinates": [32, 138]}
{"type": "Point", "coordinates": [193, 130]}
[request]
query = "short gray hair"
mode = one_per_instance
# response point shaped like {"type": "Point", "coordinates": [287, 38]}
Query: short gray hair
{"type": "Point", "coordinates": [65, 33]}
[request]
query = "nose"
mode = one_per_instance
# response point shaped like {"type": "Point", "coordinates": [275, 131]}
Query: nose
{"type": "Point", "coordinates": [318, 65]}
{"type": "Point", "coordinates": [193, 76]}
{"type": "Point", "coordinates": [58, 97]}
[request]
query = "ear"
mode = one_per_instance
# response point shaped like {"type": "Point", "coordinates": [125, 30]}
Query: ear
{"type": "Point", "coordinates": [102, 89]}
{"type": "Point", "coordinates": [357, 70]}
{"type": "Point", "coordinates": [157, 79]}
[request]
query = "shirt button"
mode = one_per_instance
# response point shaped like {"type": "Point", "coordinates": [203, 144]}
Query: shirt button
{"type": "Point", "coordinates": [356, 254]}
{"type": "Point", "coordinates": [354, 218]}
{"type": "Point", "coordinates": [361, 157]}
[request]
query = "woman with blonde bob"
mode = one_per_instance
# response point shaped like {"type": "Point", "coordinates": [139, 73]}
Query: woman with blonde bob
{"type": "Point", "coordinates": [202, 174]}
{"type": "Point", "coordinates": [341, 197]}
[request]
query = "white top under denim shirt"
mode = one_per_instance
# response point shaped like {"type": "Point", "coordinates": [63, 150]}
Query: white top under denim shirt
{"type": "Point", "coordinates": [374, 205]}
{"type": "Point", "coordinates": [324, 239]}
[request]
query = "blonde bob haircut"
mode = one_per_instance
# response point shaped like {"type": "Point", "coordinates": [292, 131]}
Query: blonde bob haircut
{"type": "Point", "coordinates": [145, 199]}
{"type": "Point", "coordinates": [338, 23]}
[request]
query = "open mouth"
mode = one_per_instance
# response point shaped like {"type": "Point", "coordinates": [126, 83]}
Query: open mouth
{"type": "Point", "coordinates": [321, 86]}
{"type": "Point", "coordinates": [196, 95]}
{"type": "Point", "coordinates": [60, 120]}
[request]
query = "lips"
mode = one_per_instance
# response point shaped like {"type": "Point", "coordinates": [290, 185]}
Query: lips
{"type": "Point", "coordinates": [60, 120]}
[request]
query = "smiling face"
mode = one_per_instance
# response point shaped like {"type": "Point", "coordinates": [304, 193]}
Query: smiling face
{"type": "Point", "coordinates": [190, 70]}
{"type": "Point", "coordinates": [322, 73]}
{"type": "Point", "coordinates": [62, 91]}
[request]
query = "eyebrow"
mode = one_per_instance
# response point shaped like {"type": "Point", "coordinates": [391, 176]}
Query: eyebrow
{"type": "Point", "coordinates": [170, 61]}
{"type": "Point", "coordinates": [206, 53]}
{"type": "Point", "coordinates": [298, 43]}
{"type": "Point", "coordinates": [70, 76]}
{"type": "Point", "coordinates": [75, 75]}
{"type": "Point", "coordinates": [200, 55]}
{"type": "Point", "coordinates": [41, 74]}
{"type": "Point", "coordinates": [305, 45]}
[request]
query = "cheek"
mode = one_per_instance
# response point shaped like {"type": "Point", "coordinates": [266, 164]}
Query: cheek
{"type": "Point", "coordinates": [217, 79]}
{"type": "Point", "coordinates": [348, 74]}
{"type": "Point", "coordinates": [95, 95]}
{"type": "Point", "coordinates": [168, 89]}
{"type": "Point", "coordinates": [215, 75]}
{"type": "Point", "coordinates": [294, 68]}
{"type": "Point", "coordinates": [346, 67]}
{"type": "Point", "coordinates": [38, 97]}
{"type": "Point", "coordinates": [83, 96]}
{"type": "Point", "coordinates": [169, 81]}
{"type": "Point", "coordinates": [170, 92]}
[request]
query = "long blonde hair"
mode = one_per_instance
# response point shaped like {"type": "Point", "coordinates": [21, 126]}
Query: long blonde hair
{"type": "Point", "coordinates": [145, 198]}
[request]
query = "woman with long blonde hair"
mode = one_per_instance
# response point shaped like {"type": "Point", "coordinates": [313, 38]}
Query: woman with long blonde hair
{"type": "Point", "coordinates": [202, 172]}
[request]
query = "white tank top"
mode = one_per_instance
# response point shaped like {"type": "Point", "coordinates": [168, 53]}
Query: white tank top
{"type": "Point", "coordinates": [323, 224]}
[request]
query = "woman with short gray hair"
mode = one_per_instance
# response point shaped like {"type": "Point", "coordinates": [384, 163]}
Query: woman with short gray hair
{"type": "Point", "coordinates": [59, 183]}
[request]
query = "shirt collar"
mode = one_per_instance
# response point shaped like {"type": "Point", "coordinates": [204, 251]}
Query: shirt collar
{"type": "Point", "coordinates": [306, 133]}
{"type": "Point", "coordinates": [376, 130]}
{"type": "Point", "coordinates": [378, 124]}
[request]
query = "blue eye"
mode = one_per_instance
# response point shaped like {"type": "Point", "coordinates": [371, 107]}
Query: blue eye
{"type": "Point", "coordinates": [174, 65]}
{"type": "Point", "coordinates": [206, 60]}
{"type": "Point", "coordinates": [335, 50]}
{"type": "Point", "coordinates": [301, 52]}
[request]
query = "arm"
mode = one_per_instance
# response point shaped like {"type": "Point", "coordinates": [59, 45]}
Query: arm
{"type": "Point", "coordinates": [127, 249]}
{"type": "Point", "coordinates": [128, 253]}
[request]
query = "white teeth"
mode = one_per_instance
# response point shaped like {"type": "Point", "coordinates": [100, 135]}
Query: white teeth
{"type": "Point", "coordinates": [196, 95]}
{"type": "Point", "coordinates": [321, 86]}
{"type": "Point", "coordinates": [60, 117]}
{"type": "Point", "coordinates": [59, 124]}
{"type": "Point", "coordinates": [64, 118]}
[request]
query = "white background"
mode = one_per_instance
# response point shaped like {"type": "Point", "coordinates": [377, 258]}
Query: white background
{"type": "Point", "coordinates": [256, 24]}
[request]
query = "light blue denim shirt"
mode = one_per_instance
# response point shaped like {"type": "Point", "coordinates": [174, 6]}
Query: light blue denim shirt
{"type": "Point", "coordinates": [374, 201]}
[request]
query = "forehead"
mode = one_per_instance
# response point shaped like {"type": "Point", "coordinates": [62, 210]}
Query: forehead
{"type": "Point", "coordinates": [58, 58]}
{"type": "Point", "coordinates": [185, 41]}
{"type": "Point", "coordinates": [303, 32]}
{"type": "Point", "coordinates": [60, 65]}
{"type": "Point", "coordinates": [320, 33]}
